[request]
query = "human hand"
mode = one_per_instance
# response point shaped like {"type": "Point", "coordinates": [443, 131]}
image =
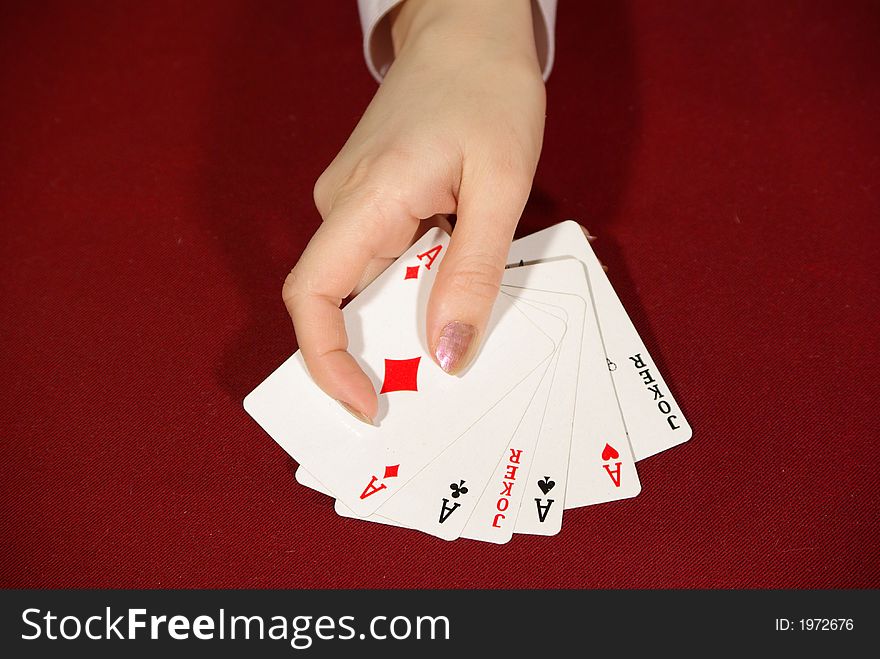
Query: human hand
{"type": "Point", "coordinates": [456, 127]}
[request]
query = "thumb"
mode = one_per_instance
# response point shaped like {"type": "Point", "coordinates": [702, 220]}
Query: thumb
{"type": "Point", "coordinates": [469, 277]}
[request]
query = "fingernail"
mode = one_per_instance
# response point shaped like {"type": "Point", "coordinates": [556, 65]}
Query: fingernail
{"type": "Point", "coordinates": [453, 345]}
{"type": "Point", "coordinates": [357, 414]}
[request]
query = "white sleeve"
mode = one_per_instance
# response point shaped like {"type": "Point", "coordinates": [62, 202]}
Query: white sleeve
{"type": "Point", "coordinates": [379, 52]}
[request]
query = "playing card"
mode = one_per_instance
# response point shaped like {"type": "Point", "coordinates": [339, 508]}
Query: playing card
{"type": "Point", "coordinates": [550, 456]}
{"type": "Point", "coordinates": [303, 477]}
{"type": "Point", "coordinates": [421, 409]}
{"type": "Point", "coordinates": [600, 465]}
{"type": "Point", "coordinates": [653, 419]}
{"type": "Point", "coordinates": [494, 515]}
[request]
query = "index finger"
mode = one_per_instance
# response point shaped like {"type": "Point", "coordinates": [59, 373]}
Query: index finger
{"type": "Point", "coordinates": [327, 272]}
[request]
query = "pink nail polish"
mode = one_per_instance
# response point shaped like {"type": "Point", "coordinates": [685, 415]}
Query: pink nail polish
{"type": "Point", "coordinates": [454, 345]}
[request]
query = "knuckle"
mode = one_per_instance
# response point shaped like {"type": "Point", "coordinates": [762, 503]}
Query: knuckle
{"type": "Point", "coordinates": [293, 288]}
{"type": "Point", "coordinates": [380, 173]}
{"type": "Point", "coordinates": [322, 192]}
{"type": "Point", "coordinates": [392, 159]}
{"type": "Point", "coordinates": [375, 179]}
{"type": "Point", "coordinates": [358, 175]}
{"type": "Point", "coordinates": [477, 276]}
{"type": "Point", "coordinates": [379, 197]}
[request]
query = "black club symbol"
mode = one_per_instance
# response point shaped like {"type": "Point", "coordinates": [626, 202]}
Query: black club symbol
{"type": "Point", "coordinates": [458, 489]}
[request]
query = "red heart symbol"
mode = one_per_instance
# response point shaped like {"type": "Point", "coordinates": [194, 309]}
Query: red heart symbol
{"type": "Point", "coordinates": [609, 453]}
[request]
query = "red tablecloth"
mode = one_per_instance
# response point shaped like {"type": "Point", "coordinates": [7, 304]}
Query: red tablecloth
{"type": "Point", "coordinates": [155, 187]}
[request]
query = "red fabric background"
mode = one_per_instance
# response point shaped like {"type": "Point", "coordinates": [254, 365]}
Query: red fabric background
{"type": "Point", "coordinates": [155, 187]}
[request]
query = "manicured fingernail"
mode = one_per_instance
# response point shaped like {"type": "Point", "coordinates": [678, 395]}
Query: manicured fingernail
{"type": "Point", "coordinates": [357, 414]}
{"type": "Point", "coordinates": [453, 346]}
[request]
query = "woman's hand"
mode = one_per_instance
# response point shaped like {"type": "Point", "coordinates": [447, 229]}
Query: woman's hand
{"type": "Point", "coordinates": [456, 127]}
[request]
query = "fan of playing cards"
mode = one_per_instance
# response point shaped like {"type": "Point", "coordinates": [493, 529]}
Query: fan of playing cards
{"type": "Point", "coordinates": [557, 407]}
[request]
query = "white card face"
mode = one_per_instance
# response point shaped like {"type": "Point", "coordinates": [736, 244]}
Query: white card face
{"type": "Point", "coordinates": [653, 419]}
{"type": "Point", "coordinates": [363, 465]}
{"type": "Point", "coordinates": [546, 473]}
{"type": "Point", "coordinates": [440, 498]}
{"type": "Point", "coordinates": [600, 463]}
{"type": "Point", "coordinates": [303, 477]}
{"type": "Point", "coordinates": [494, 515]}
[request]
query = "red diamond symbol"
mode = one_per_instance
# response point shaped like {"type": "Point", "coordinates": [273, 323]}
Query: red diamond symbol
{"type": "Point", "coordinates": [401, 375]}
{"type": "Point", "coordinates": [391, 472]}
{"type": "Point", "coordinates": [412, 272]}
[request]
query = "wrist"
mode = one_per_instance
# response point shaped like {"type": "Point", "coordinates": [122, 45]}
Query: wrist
{"type": "Point", "coordinates": [501, 28]}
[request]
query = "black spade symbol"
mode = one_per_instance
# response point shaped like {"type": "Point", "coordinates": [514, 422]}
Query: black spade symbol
{"type": "Point", "coordinates": [546, 484]}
